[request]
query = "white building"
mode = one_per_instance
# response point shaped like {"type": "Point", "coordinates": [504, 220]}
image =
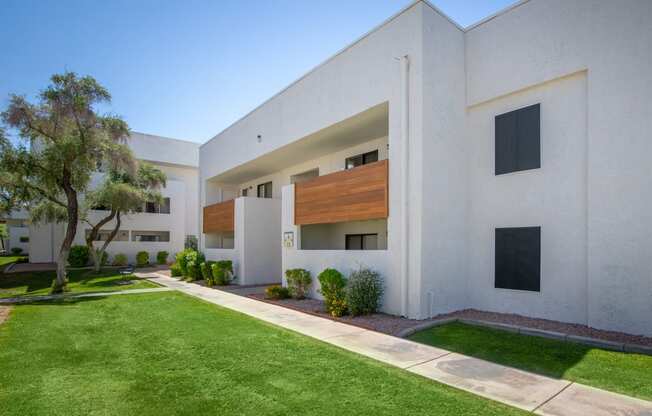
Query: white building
{"type": "Point", "coordinates": [513, 169]}
{"type": "Point", "coordinates": [17, 223]}
{"type": "Point", "coordinates": [162, 227]}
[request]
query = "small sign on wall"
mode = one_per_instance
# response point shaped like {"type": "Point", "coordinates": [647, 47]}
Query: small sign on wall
{"type": "Point", "coordinates": [288, 239]}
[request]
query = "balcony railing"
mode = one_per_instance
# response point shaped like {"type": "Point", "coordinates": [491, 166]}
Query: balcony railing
{"type": "Point", "coordinates": [356, 194]}
{"type": "Point", "coordinates": [219, 217]}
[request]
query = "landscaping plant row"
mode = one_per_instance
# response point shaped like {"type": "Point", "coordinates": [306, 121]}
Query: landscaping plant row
{"type": "Point", "coordinates": [192, 265]}
{"type": "Point", "coordinates": [359, 294]}
{"type": "Point", "coordinates": [80, 257]}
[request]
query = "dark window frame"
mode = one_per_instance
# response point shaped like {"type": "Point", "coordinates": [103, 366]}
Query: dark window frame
{"type": "Point", "coordinates": [517, 258]}
{"type": "Point", "coordinates": [517, 140]}
{"type": "Point", "coordinates": [362, 236]}
{"type": "Point", "coordinates": [362, 159]}
{"type": "Point", "coordinates": [265, 189]}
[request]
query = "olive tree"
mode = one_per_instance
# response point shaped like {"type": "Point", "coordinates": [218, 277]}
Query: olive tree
{"type": "Point", "coordinates": [61, 140]}
{"type": "Point", "coordinates": [122, 192]}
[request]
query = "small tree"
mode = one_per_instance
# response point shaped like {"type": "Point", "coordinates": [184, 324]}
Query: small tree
{"type": "Point", "coordinates": [121, 193]}
{"type": "Point", "coordinates": [62, 140]}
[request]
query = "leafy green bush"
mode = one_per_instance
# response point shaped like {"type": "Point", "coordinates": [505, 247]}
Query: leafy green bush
{"type": "Point", "coordinates": [78, 256]}
{"type": "Point", "coordinates": [207, 272]}
{"type": "Point", "coordinates": [120, 259]}
{"type": "Point", "coordinates": [175, 270]}
{"type": "Point", "coordinates": [222, 272]}
{"type": "Point", "coordinates": [363, 292]}
{"type": "Point", "coordinates": [16, 250]}
{"type": "Point", "coordinates": [298, 282]}
{"type": "Point", "coordinates": [193, 260]}
{"type": "Point", "coordinates": [277, 292]}
{"type": "Point", "coordinates": [142, 258]}
{"type": "Point", "coordinates": [332, 288]}
{"type": "Point", "coordinates": [181, 261]}
{"type": "Point", "coordinates": [162, 257]}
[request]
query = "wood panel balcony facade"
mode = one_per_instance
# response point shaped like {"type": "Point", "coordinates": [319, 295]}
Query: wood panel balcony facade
{"type": "Point", "coordinates": [220, 217]}
{"type": "Point", "coordinates": [361, 193]}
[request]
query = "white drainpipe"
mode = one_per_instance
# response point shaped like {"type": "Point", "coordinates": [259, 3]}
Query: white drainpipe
{"type": "Point", "coordinates": [405, 169]}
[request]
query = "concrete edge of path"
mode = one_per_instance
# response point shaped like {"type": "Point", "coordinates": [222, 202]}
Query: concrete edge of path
{"type": "Point", "coordinates": [534, 332]}
{"type": "Point", "coordinates": [507, 385]}
{"type": "Point", "coordinates": [30, 299]}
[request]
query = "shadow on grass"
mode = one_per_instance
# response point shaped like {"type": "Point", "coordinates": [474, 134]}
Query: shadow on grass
{"type": "Point", "coordinates": [39, 283]}
{"type": "Point", "coordinates": [544, 356]}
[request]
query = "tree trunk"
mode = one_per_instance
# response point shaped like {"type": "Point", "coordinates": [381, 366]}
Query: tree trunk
{"type": "Point", "coordinates": [96, 255]}
{"type": "Point", "coordinates": [71, 229]}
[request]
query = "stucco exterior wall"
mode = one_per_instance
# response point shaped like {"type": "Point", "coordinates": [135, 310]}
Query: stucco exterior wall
{"type": "Point", "coordinates": [540, 41]}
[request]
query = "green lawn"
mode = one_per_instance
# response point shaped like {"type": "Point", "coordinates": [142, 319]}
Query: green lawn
{"type": "Point", "coordinates": [629, 374]}
{"type": "Point", "coordinates": [39, 283]}
{"type": "Point", "coordinates": [7, 260]}
{"type": "Point", "coordinates": [170, 354]}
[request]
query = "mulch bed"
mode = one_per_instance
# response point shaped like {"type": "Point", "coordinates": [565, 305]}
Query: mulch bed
{"type": "Point", "coordinates": [395, 325]}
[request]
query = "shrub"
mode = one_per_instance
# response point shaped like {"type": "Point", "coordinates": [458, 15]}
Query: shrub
{"type": "Point", "coordinates": [193, 260]}
{"type": "Point", "coordinates": [298, 282]}
{"type": "Point", "coordinates": [363, 292]}
{"type": "Point", "coordinates": [333, 289]}
{"type": "Point", "coordinates": [78, 256]}
{"type": "Point", "coordinates": [175, 270]}
{"type": "Point", "coordinates": [207, 272]}
{"type": "Point", "coordinates": [181, 261]}
{"type": "Point", "coordinates": [16, 250]}
{"type": "Point", "coordinates": [120, 259]}
{"type": "Point", "coordinates": [162, 257]}
{"type": "Point", "coordinates": [277, 292]}
{"type": "Point", "coordinates": [222, 272]}
{"type": "Point", "coordinates": [142, 258]}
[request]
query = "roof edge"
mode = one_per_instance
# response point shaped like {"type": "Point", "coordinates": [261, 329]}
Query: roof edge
{"type": "Point", "coordinates": [315, 68]}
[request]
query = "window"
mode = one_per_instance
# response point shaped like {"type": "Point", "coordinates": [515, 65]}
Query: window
{"type": "Point", "coordinates": [304, 176]}
{"type": "Point", "coordinates": [362, 241]}
{"type": "Point", "coordinates": [265, 190]}
{"type": "Point", "coordinates": [245, 192]}
{"type": "Point", "coordinates": [518, 140]}
{"type": "Point", "coordinates": [103, 235]}
{"type": "Point", "coordinates": [156, 208]}
{"type": "Point", "coordinates": [518, 258]}
{"type": "Point", "coordinates": [151, 236]}
{"type": "Point", "coordinates": [363, 159]}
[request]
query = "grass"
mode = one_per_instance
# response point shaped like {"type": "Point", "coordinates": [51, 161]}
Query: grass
{"type": "Point", "coordinates": [629, 374]}
{"type": "Point", "coordinates": [170, 354]}
{"type": "Point", "coordinates": [39, 283]}
{"type": "Point", "coordinates": [7, 260]}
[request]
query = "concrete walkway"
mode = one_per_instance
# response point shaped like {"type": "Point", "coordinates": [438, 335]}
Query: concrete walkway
{"type": "Point", "coordinates": [27, 299]}
{"type": "Point", "coordinates": [528, 391]}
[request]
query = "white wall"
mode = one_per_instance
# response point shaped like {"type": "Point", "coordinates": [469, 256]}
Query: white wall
{"type": "Point", "coordinates": [15, 234]}
{"type": "Point", "coordinates": [259, 222]}
{"type": "Point", "coordinates": [553, 197]}
{"type": "Point", "coordinates": [439, 181]}
{"type": "Point", "coordinates": [540, 41]}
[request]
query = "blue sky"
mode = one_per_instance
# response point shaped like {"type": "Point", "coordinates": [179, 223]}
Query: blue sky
{"type": "Point", "coordinates": [188, 69]}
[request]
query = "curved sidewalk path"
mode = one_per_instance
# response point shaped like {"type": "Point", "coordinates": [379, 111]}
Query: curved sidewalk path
{"type": "Point", "coordinates": [527, 391]}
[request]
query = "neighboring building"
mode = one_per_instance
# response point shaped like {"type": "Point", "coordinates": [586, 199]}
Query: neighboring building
{"type": "Point", "coordinates": [501, 167]}
{"type": "Point", "coordinates": [162, 227]}
{"type": "Point", "coordinates": [17, 223]}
